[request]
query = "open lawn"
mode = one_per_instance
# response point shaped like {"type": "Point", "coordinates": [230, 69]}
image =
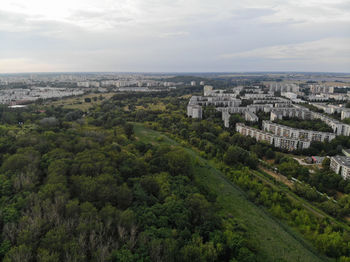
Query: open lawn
{"type": "Point", "coordinates": [275, 240]}
{"type": "Point", "coordinates": [159, 106]}
{"type": "Point", "coordinates": [78, 102]}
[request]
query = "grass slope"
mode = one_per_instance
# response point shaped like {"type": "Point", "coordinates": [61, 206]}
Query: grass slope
{"type": "Point", "coordinates": [275, 240]}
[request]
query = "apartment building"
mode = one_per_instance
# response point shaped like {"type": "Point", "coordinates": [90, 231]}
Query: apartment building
{"type": "Point", "coordinates": [250, 117]}
{"type": "Point", "coordinates": [338, 127]}
{"type": "Point", "coordinates": [289, 144]}
{"type": "Point", "coordinates": [283, 87]}
{"type": "Point", "coordinates": [286, 131]}
{"type": "Point", "coordinates": [207, 90]}
{"type": "Point", "coordinates": [256, 96]}
{"type": "Point", "coordinates": [218, 101]}
{"type": "Point", "coordinates": [291, 112]}
{"type": "Point", "coordinates": [226, 118]}
{"type": "Point", "coordinates": [194, 111]}
{"type": "Point", "coordinates": [345, 113]}
{"type": "Point", "coordinates": [341, 165]}
{"type": "Point", "coordinates": [235, 109]}
{"type": "Point", "coordinates": [260, 107]}
{"type": "Point", "coordinates": [289, 95]}
{"type": "Point", "coordinates": [317, 89]}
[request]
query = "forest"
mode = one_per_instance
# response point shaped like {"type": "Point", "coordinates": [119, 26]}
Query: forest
{"type": "Point", "coordinates": [80, 186]}
{"type": "Point", "coordinates": [238, 155]}
{"type": "Point", "coordinates": [77, 188]}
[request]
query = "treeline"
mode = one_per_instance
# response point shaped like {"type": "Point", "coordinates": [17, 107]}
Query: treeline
{"type": "Point", "coordinates": [327, 237]}
{"type": "Point", "coordinates": [318, 182]}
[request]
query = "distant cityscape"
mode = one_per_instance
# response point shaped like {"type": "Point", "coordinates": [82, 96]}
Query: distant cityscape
{"type": "Point", "coordinates": [278, 99]}
{"type": "Point", "coordinates": [24, 89]}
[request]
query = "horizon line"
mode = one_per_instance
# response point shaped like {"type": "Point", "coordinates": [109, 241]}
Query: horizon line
{"type": "Point", "coordinates": [172, 72]}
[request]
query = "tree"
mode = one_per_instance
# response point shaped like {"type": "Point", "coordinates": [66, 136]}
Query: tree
{"type": "Point", "coordinates": [325, 163]}
{"type": "Point", "coordinates": [129, 130]}
{"type": "Point", "coordinates": [179, 163]}
{"type": "Point", "coordinates": [49, 122]}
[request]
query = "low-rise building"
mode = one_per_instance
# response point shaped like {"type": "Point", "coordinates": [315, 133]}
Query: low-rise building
{"type": "Point", "coordinates": [317, 159]}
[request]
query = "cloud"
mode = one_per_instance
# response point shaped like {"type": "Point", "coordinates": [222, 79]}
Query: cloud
{"type": "Point", "coordinates": [330, 54]}
{"type": "Point", "coordinates": [324, 49]}
{"type": "Point", "coordinates": [173, 35]}
{"type": "Point", "coordinates": [15, 65]}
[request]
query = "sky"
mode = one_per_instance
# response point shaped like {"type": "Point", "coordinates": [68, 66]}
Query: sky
{"type": "Point", "coordinates": [174, 35]}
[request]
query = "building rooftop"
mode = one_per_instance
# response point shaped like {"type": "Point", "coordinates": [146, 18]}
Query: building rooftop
{"type": "Point", "coordinates": [343, 160]}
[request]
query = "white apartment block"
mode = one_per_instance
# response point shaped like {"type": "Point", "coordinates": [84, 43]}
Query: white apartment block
{"type": "Point", "coordinates": [289, 95]}
{"type": "Point", "coordinates": [218, 101]}
{"type": "Point", "coordinates": [282, 87]}
{"type": "Point", "coordinates": [256, 96]}
{"type": "Point", "coordinates": [226, 118]}
{"type": "Point", "coordinates": [277, 141]}
{"type": "Point", "coordinates": [318, 98]}
{"type": "Point", "coordinates": [291, 112]}
{"type": "Point", "coordinates": [267, 108]}
{"type": "Point", "coordinates": [207, 90]}
{"type": "Point", "coordinates": [317, 89]}
{"type": "Point", "coordinates": [331, 109]}
{"type": "Point", "coordinates": [294, 133]}
{"type": "Point", "coordinates": [345, 113]}
{"type": "Point", "coordinates": [235, 109]}
{"type": "Point", "coordinates": [250, 117]}
{"type": "Point", "coordinates": [341, 165]}
{"type": "Point", "coordinates": [338, 127]}
{"type": "Point", "coordinates": [272, 100]}
{"type": "Point", "coordinates": [194, 111]}
{"type": "Point", "coordinates": [83, 84]}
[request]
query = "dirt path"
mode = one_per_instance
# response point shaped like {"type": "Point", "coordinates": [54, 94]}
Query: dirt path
{"type": "Point", "coordinates": [278, 177]}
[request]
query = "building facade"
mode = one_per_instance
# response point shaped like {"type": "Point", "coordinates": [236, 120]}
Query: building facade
{"type": "Point", "coordinates": [341, 166]}
{"type": "Point", "coordinates": [289, 144]}
{"type": "Point", "coordinates": [286, 131]}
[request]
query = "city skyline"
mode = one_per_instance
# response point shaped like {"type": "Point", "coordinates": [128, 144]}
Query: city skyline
{"type": "Point", "coordinates": [174, 36]}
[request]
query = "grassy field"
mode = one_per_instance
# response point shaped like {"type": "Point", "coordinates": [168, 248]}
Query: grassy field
{"type": "Point", "coordinates": [275, 240]}
{"type": "Point", "coordinates": [159, 106]}
{"type": "Point", "coordinates": [78, 102]}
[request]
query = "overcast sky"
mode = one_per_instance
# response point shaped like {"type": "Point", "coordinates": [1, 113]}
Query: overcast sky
{"type": "Point", "coordinates": [174, 35]}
